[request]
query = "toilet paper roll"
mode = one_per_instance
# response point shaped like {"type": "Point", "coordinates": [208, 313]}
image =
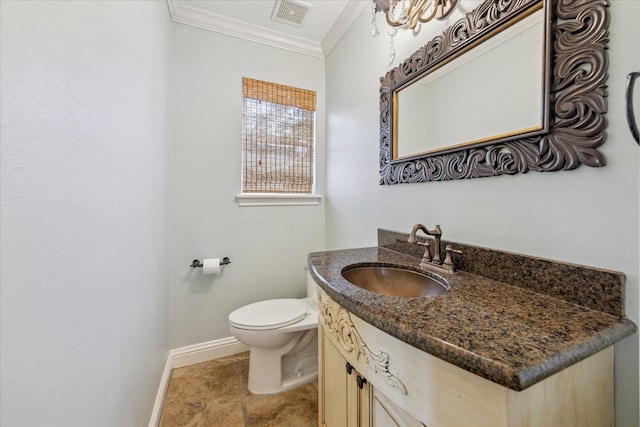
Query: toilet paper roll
{"type": "Point", "coordinates": [210, 266]}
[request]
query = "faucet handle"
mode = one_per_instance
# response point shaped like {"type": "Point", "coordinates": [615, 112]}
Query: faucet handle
{"type": "Point", "coordinates": [427, 251]}
{"type": "Point", "coordinates": [450, 249]}
{"type": "Point", "coordinates": [447, 259]}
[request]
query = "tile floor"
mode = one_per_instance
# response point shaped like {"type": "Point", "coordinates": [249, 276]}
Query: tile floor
{"type": "Point", "coordinates": [215, 393]}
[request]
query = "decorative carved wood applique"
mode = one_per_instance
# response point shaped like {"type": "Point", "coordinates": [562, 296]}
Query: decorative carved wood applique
{"type": "Point", "coordinates": [577, 99]}
{"type": "Point", "coordinates": [339, 324]}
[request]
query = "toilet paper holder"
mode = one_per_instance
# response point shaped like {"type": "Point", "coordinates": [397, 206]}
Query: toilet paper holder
{"type": "Point", "coordinates": [223, 261]}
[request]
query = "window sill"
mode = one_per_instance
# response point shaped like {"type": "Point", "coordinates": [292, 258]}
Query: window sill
{"type": "Point", "coordinates": [278, 199]}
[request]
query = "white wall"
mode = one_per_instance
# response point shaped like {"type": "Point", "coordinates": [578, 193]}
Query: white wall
{"type": "Point", "coordinates": [85, 192]}
{"type": "Point", "coordinates": [587, 216]}
{"type": "Point", "coordinates": [268, 246]}
{"type": "Point", "coordinates": [85, 127]}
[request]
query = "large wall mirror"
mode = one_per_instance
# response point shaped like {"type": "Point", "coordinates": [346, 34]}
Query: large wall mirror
{"type": "Point", "coordinates": [515, 85]}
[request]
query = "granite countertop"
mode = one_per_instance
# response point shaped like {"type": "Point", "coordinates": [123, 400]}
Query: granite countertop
{"type": "Point", "coordinates": [508, 334]}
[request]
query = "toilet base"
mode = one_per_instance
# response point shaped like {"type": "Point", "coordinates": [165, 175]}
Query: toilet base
{"type": "Point", "coordinates": [285, 382]}
{"type": "Point", "coordinates": [295, 365]}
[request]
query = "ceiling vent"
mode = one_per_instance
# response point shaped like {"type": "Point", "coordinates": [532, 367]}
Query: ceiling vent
{"type": "Point", "coordinates": [290, 12]}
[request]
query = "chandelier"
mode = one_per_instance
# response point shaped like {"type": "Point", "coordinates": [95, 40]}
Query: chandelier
{"type": "Point", "coordinates": [410, 13]}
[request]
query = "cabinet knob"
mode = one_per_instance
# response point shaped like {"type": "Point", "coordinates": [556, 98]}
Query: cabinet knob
{"type": "Point", "coordinates": [349, 368]}
{"type": "Point", "coordinates": [361, 381]}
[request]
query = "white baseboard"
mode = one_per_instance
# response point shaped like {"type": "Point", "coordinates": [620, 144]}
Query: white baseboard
{"type": "Point", "coordinates": [190, 355]}
{"type": "Point", "coordinates": [206, 351]}
{"type": "Point", "coordinates": [162, 391]}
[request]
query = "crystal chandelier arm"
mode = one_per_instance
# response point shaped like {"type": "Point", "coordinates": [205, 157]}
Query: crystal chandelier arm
{"type": "Point", "coordinates": [417, 11]}
{"type": "Point", "coordinates": [390, 11]}
{"type": "Point", "coordinates": [446, 10]}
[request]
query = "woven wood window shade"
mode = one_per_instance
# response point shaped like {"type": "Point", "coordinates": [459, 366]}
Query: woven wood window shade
{"type": "Point", "coordinates": [278, 138]}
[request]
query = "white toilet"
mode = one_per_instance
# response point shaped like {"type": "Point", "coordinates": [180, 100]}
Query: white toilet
{"type": "Point", "coordinates": [283, 338]}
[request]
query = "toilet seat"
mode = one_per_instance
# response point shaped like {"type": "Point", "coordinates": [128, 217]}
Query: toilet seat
{"type": "Point", "coordinates": [269, 314]}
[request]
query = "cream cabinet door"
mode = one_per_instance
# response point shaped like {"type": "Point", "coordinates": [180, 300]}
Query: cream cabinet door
{"type": "Point", "coordinates": [333, 387]}
{"type": "Point", "coordinates": [344, 395]}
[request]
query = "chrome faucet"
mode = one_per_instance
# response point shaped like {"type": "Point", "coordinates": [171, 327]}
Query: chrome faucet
{"type": "Point", "coordinates": [429, 261]}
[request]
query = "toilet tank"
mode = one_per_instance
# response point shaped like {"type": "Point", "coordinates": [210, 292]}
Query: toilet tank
{"type": "Point", "coordinates": [312, 287]}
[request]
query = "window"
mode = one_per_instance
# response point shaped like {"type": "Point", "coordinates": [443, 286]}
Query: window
{"type": "Point", "coordinates": [278, 138]}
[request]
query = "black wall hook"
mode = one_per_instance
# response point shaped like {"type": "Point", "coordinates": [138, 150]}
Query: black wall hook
{"type": "Point", "coordinates": [631, 119]}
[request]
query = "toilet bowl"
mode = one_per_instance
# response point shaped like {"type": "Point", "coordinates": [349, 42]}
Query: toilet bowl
{"type": "Point", "coordinates": [282, 335]}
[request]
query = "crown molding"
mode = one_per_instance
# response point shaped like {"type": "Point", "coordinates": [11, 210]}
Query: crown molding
{"type": "Point", "coordinates": [350, 13]}
{"type": "Point", "coordinates": [188, 15]}
{"type": "Point", "coordinates": [185, 14]}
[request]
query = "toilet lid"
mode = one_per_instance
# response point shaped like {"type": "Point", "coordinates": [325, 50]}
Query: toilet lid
{"type": "Point", "coordinates": [269, 314]}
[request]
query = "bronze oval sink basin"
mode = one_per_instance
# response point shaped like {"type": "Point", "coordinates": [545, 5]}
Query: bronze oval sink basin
{"type": "Point", "coordinates": [394, 281]}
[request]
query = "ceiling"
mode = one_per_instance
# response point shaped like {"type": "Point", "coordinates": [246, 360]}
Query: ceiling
{"type": "Point", "coordinates": [322, 27]}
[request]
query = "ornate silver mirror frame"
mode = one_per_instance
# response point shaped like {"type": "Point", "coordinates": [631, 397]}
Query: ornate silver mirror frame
{"type": "Point", "coordinates": [577, 98]}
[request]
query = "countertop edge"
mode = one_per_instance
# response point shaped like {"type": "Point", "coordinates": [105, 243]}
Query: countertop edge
{"type": "Point", "coordinates": [498, 372]}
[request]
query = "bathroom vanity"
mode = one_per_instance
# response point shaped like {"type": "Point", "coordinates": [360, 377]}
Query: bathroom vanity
{"type": "Point", "coordinates": [520, 342]}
